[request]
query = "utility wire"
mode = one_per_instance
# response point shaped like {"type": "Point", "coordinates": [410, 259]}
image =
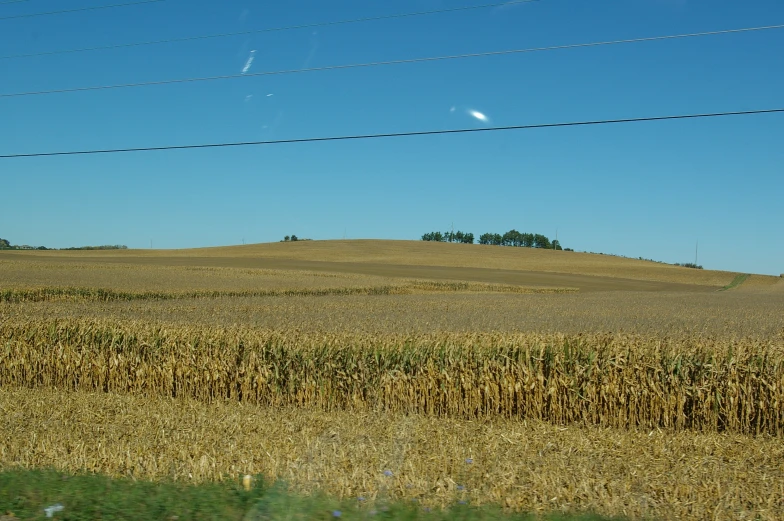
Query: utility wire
{"type": "Point", "coordinates": [267, 30]}
{"type": "Point", "coordinates": [396, 134]}
{"type": "Point", "coordinates": [383, 63]}
{"type": "Point", "coordinates": [80, 9]}
{"type": "Point", "coordinates": [13, 2]}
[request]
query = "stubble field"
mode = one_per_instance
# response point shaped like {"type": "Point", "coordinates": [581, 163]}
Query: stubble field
{"type": "Point", "coordinates": [571, 382]}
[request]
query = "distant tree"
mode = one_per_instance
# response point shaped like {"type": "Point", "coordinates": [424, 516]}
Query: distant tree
{"type": "Point", "coordinates": [458, 236]}
{"type": "Point", "coordinates": [540, 241]}
{"type": "Point", "coordinates": [4, 244]}
{"type": "Point", "coordinates": [286, 238]}
{"type": "Point", "coordinates": [528, 240]}
{"type": "Point", "coordinates": [507, 238]}
{"type": "Point", "coordinates": [294, 238]}
{"type": "Point", "coordinates": [556, 245]}
{"type": "Point", "coordinates": [486, 238]}
{"type": "Point", "coordinates": [433, 236]}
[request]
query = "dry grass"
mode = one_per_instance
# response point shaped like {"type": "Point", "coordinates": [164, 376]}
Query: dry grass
{"type": "Point", "coordinates": [757, 284]}
{"type": "Point", "coordinates": [523, 465]}
{"type": "Point", "coordinates": [379, 255]}
{"type": "Point", "coordinates": [610, 380]}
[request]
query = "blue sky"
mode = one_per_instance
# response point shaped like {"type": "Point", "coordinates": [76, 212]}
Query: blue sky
{"type": "Point", "coordinates": [642, 189]}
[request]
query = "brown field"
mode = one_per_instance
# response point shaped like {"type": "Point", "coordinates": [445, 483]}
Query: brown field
{"type": "Point", "coordinates": [622, 386]}
{"type": "Point", "coordinates": [418, 260]}
{"type": "Point", "coordinates": [20, 273]}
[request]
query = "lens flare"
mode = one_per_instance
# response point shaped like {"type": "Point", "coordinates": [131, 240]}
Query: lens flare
{"type": "Point", "coordinates": [478, 115]}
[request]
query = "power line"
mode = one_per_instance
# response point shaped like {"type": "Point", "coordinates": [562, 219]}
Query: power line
{"type": "Point", "coordinates": [267, 30]}
{"type": "Point", "coordinates": [13, 1]}
{"type": "Point", "coordinates": [80, 9]}
{"type": "Point", "coordinates": [383, 63]}
{"type": "Point", "coordinates": [396, 134]}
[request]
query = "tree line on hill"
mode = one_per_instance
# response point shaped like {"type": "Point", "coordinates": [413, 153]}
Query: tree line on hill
{"type": "Point", "coordinates": [458, 236]}
{"type": "Point", "coordinates": [6, 245]}
{"type": "Point", "coordinates": [510, 238]}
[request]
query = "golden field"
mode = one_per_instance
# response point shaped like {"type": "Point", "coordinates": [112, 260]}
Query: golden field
{"type": "Point", "coordinates": [615, 385]}
{"type": "Point", "coordinates": [729, 315]}
{"type": "Point", "coordinates": [523, 465]}
{"type": "Point", "coordinates": [618, 381]}
{"type": "Point", "coordinates": [415, 260]}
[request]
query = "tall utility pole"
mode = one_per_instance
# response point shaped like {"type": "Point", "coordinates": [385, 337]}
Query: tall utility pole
{"type": "Point", "coordinates": [696, 246]}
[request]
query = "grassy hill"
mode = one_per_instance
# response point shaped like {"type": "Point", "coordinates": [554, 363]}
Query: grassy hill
{"type": "Point", "coordinates": [416, 259]}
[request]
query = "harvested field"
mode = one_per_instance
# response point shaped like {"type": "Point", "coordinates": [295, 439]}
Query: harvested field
{"type": "Point", "coordinates": [129, 277]}
{"type": "Point", "coordinates": [527, 465]}
{"type": "Point", "coordinates": [418, 260]}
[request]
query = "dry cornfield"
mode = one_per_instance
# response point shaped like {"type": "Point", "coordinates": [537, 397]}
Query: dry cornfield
{"type": "Point", "coordinates": [82, 294]}
{"type": "Point", "coordinates": [609, 380]}
{"type": "Point", "coordinates": [727, 315]}
{"type": "Point", "coordinates": [523, 465]}
{"type": "Point", "coordinates": [645, 393]}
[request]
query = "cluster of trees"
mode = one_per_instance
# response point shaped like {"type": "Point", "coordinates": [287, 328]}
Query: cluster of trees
{"type": "Point", "coordinates": [523, 240]}
{"type": "Point", "coordinates": [510, 238]}
{"type": "Point", "coordinates": [6, 245]}
{"type": "Point", "coordinates": [458, 236]}
{"type": "Point", "coordinates": [292, 238]}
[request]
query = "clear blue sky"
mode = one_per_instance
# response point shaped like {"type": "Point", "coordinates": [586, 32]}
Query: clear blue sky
{"type": "Point", "coordinates": [642, 189]}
